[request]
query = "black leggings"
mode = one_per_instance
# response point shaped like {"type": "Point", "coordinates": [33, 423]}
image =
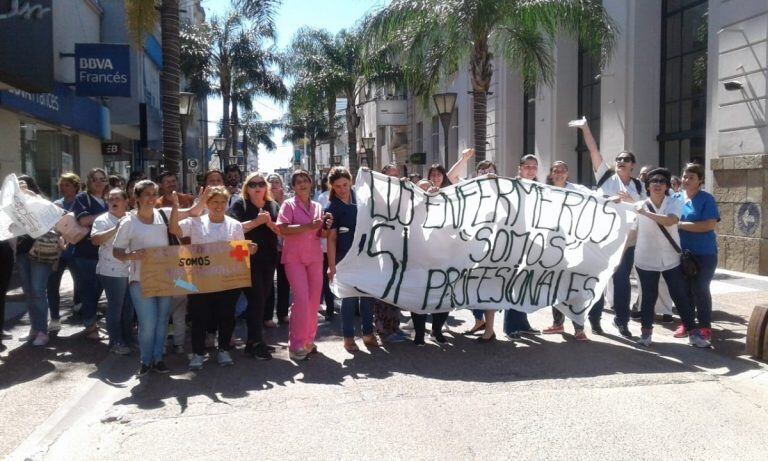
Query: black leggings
{"type": "Point", "coordinates": [283, 293]}
{"type": "Point", "coordinates": [328, 295]}
{"type": "Point", "coordinates": [6, 269]}
{"type": "Point", "coordinates": [420, 322]}
{"type": "Point", "coordinates": [220, 306]}
{"type": "Point", "coordinates": [262, 276]}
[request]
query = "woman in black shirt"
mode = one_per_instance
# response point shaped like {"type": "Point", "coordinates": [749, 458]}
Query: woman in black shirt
{"type": "Point", "coordinates": [258, 212]}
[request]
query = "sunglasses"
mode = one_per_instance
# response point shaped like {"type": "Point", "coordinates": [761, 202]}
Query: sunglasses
{"type": "Point", "coordinates": [254, 185]}
{"type": "Point", "coordinates": [99, 179]}
{"type": "Point", "coordinates": [657, 181]}
{"type": "Point", "coordinates": [624, 159]}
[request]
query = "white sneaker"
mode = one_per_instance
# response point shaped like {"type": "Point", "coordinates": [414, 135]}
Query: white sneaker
{"type": "Point", "coordinates": [697, 340]}
{"type": "Point", "coordinates": [54, 326]}
{"type": "Point", "coordinates": [41, 339]}
{"type": "Point", "coordinates": [196, 362]}
{"type": "Point", "coordinates": [645, 340]}
{"type": "Point", "coordinates": [225, 359]}
{"type": "Point", "coordinates": [119, 349]}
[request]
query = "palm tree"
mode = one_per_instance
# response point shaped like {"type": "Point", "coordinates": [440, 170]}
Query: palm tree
{"type": "Point", "coordinates": [306, 121]}
{"type": "Point", "coordinates": [141, 19]}
{"type": "Point", "coordinates": [432, 39]}
{"type": "Point", "coordinates": [338, 66]}
{"type": "Point", "coordinates": [257, 131]}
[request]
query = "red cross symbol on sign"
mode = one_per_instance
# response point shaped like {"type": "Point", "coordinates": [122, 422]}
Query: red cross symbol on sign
{"type": "Point", "coordinates": [239, 253]}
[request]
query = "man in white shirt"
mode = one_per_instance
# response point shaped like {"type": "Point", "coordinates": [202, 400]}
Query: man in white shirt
{"type": "Point", "coordinates": [619, 184]}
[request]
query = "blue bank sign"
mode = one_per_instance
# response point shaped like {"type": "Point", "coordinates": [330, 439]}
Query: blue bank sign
{"type": "Point", "coordinates": [102, 70]}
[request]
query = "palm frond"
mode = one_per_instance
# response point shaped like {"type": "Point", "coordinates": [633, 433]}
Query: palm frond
{"type": "Point", "coordinates": [141, 17]}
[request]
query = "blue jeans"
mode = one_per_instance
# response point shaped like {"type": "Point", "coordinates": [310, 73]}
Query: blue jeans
{"type": "Point", "coordinates": [119, 310]}
{"type": "Point", "coordinates": [622, 291]}
{"type": "Point", "coordinates": [515, 321]}
{"type": "Point", "coordinates": [348, 307]}
{"type": "Point", "coordinates": [678, 290]}
{"type": "Point", "coordinates": [477, 314]}
{"type": "Point", "coordinates": [34, 282]}
{"type": "Point", "coordinates": [153, 316]}
{"type": "Point", "coordinates": [698, 287]}
{"type": "Point", "coordinates": [54, 287]}
{"type": "Point", "coordinates": [91, 288]}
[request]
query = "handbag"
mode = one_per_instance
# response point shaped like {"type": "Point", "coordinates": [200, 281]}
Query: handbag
{"type": "Point", "coordinates": [688, 263]}
{"type": "Point", "coordinates": [172, 239]}
{"type": "Point", "coordinates": [46, 249]}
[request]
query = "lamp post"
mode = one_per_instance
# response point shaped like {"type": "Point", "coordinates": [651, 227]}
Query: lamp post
{"type": "Point", "coordinates": [368, 144]}
{"type": "Point", "coordinates": [219, 144]}
{"type": "Point", "coordinates": [186, 104]}
{"type": "Point", "coordinates": [362, 156]}
{"type": "Point", "coordinates": [444, 103]}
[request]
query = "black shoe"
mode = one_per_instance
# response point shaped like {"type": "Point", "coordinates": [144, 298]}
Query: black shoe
{"type": "Point", "coordinates": [143, 370]}
{"type": "Point", "coordinates": [483, 339]}
{"type": "Point", "coordinates": [666, 318]}
{"type": "Point", "coordinates": [635, 315]}
{"type": "Point", "coordinates": [160, 367]}
{"type": "Point", "coordinates": [514, 335]}
{"type": "Point", "coordinates": [596, 328]}
{"type": "Point", "coordinates": [529, 330]}
{"type": "Point", "coordinates": [418, 340]}
{"type": "Point", "coordinates": [328, 317]}
{"type": "Point", "coordinates": [438, 336]}
{"type": "Point", "coordinates": [623, 330]}
{"type": "Point", "coordinates": [270, 348]}
{"type": "Point", "coordinates": [258, 351]}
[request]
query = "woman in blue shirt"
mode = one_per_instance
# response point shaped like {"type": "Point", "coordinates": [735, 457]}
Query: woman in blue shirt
{"type": "Point", "coordinates": [343, 206]}
{"type": "Point", "coordinates": [697, 234]}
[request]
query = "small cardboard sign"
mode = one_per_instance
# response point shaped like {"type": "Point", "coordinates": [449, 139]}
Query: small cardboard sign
{"type": "Point", "coordinates": [193, 269]}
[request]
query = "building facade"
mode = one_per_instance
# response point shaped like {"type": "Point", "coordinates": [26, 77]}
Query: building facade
{"type": "Point", "coordinates": [688, 81]}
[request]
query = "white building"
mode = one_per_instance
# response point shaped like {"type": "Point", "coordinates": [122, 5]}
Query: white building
{"type": "Point", "coordinates": [662, 96]}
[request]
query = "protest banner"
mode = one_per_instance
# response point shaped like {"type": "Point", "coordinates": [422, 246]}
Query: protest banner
{"type": "Point", "coordinates": [22, 213]}
{"type": "Point", "coordinates": [488, 243]}
{"type": "Point", "coordinates": [191, 269]}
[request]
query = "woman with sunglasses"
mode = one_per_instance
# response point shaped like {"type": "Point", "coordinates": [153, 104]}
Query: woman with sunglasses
{"type": "Point", "coordinates": [88, 206]}
{"type": "Point", "coordinates": [619, 184]}
{"type": "Point", "coordinates": [302, 226]}
{"type": "Point", "coordinates": [657, 256]}
{"type": "Point", "coordinates": [258, 211]}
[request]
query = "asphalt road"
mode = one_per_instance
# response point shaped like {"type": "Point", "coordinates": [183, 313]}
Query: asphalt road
{"type": "Point", "coordinates": [542, 397]}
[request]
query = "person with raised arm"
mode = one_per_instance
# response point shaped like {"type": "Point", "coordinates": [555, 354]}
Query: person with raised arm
{"type": "Point", "coordinates": [146, 228]}
{"type": "Point", "coordinates": [617, 183]}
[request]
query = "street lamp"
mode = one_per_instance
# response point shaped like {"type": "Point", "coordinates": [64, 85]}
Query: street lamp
{"type": "Point", "coordinates": [219, 144]}
{"type": "Point", "coordinates": [368, 144]}
{"type": "Point", "coordinates": [444, 103]}
{"type": "Point", "coordinates": [362, 154]}
{"type": "Point", "coordinates": [186, 103]}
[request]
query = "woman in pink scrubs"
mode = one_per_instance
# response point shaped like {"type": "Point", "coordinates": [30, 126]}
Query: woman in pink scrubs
{"type": "Point", "coordinates": [301, 225]}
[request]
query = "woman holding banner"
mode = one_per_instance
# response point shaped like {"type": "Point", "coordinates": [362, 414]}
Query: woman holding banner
{"type": "Point", "coordinates": [212, 227]}
{"type": "Point", "coordinates": [301, 224]}
{"type": "Point", "coordinates": [140, 230]}
{"type": "Point", "coordinates": [88, 206]}
{"type": "Point", "coordinates": [113, 274]}
{"type": "Point", "coordinates": [343, 207]}
{"type": "Point", "coordinates": [257, 211]}
{"type": "Point", "coordinates": [657, 255]}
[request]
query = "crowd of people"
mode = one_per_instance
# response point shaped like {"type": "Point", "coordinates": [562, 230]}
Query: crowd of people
{"type": "Point", "coordinates": [298, 239]}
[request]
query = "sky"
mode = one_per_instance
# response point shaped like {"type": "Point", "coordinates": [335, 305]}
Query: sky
{"type": "Point", "coordinates": [332, 15]}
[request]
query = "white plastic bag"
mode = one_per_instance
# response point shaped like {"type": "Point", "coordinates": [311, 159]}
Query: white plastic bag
{"type": "Point", "coordinates": [21, 213]}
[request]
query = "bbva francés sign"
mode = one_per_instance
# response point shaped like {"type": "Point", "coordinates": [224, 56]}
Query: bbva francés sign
{"type": "Point", "coordinates": [102, 70]}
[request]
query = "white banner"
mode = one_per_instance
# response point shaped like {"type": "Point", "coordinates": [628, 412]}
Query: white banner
{"type": "Point", "coordinates": [21, 213]}
{"type": "Point", "coordinates": [489, 243]}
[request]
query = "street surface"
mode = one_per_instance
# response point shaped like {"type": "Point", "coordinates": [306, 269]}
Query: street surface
{"type": "Point", "coordinates": [545, 397]}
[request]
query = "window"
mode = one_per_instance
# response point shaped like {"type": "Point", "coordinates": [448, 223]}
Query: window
{"type": "Point", "coordinates": [589, 107]}
{"type": "Point", "coordinates": [420, 137]}
{"type": "Point", "coordinates": [436, 139]}
{"type": "Point", "coordinates": [683, 82]}
{"type": "Point", "coordinates": [46, 153]}
{"type": "Point", "coordinates": [529, 122]}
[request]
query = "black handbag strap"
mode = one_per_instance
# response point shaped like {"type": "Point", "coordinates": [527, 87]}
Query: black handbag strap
{"type": "Point", "coordinates": [172, 239]}
{"type": "Point", "coordinates": [664, 231]}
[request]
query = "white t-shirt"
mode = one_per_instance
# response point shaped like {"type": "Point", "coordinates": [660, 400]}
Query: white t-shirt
{"type": "Point", "coordinates": [653, 252]}
{"type": "Point", "coordinates": [135, 235]}
{"type": "Point", "coordinates": [108, 265]}
{"type": "Point", "coordinates": [202, 230]}
{"type": "Point", "coordinates": [613, 185]}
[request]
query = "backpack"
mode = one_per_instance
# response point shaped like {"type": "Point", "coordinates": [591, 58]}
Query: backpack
{"type": "Point", "coordinates": [610, 173]}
